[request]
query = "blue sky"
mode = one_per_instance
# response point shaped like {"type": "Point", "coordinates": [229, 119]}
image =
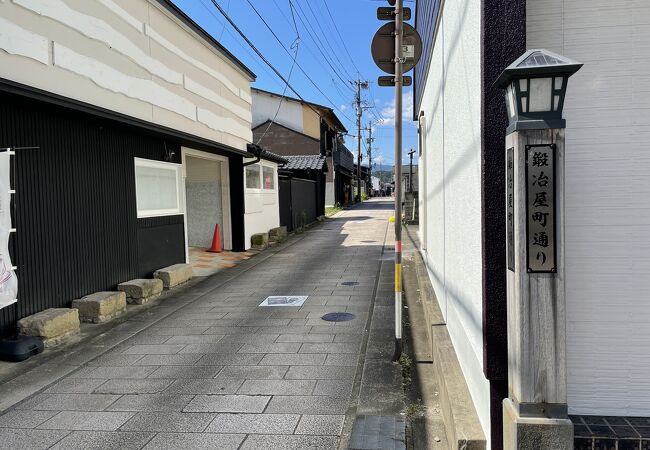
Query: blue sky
{"type": "Point", "coordinates": [349, 57]}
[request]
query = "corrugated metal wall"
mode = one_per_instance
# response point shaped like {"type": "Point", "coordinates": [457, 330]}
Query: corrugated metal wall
{"type": "Point", "coordinates": [75, 208]}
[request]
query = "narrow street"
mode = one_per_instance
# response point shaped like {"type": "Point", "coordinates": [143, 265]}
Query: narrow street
{"type": "Point", "coordinates": [219, 371]}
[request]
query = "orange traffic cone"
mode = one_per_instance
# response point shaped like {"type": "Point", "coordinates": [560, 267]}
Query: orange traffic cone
{"type": "Point", "coordinates": [216, 241]}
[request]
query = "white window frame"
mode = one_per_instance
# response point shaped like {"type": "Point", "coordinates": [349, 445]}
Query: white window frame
{"type": "Point", "coordinates": [159, 165]}
{"type": "Point", "coordinates": [275, 177]}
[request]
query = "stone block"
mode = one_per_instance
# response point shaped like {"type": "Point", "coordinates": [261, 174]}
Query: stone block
{"type": "Point", "coordinates": [50, 325]}
{"type": "Point", "coordinates": [278, 234]}
{"type": "Point", "coordinates": [260, 240]}
{"type": "Point", "coordinates": [141, 291]}
{"type": "Point", "coordinates": [100, 306]}
{"type": "Point", "coordinates": [175, 275]}
{"type": "Point", "coordinates": [538, 433]}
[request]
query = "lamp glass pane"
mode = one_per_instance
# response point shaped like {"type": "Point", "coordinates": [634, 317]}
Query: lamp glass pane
{"type": "Point", "coordinates": [556, 102]}
{"type": "Point", "coordinates": [524, 104]}
{"type": "Point", "coordinates": [540, 95]}
{"type": "Point", "coordinates": [523, 85]}
{"type": "Point", "coordinates": [511, 101]}
{"type": "Point", "coordinates": [558, 83]}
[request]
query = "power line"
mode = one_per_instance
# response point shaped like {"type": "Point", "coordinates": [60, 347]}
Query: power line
{"type": "Point", "coordinates": [329, 13]}
{"type": "Point", "coordinates": [289, 53]}
{"type": "Point", "coordinates": [319, 44]}
{"type": "Point", "coordinates": [259, 53]}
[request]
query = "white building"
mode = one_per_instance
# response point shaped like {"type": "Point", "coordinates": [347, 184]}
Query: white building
{"type": "Point", "coordinates": [462, 123]}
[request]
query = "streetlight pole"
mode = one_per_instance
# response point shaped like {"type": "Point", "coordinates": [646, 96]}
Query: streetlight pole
{"type": "Point", "coordinates": [399, 29]}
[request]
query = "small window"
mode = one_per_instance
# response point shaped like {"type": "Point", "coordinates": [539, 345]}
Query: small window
{"type": "Point", "coordinates": [269, 177]}
{"type": "Point", "coordinates": [253, 176]}
{"type": "Point", "coordinates": [157, 187]}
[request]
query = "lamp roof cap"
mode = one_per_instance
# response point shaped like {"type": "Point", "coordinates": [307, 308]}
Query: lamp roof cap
{"type": "Point", "coordinates": [537, 62]}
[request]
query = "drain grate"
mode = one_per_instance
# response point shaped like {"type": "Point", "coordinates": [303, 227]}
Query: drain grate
{"type": "Point", "coordinates": [349, 283]}
{"type": "Point", "coordinates": [338, 317]}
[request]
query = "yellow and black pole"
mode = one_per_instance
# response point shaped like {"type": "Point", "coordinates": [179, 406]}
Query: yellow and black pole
{"type": "Point", "coordinates": [399, 30]}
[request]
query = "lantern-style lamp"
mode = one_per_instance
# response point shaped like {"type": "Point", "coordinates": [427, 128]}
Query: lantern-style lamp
{"type": "Point", "coordinates": [535, 87]}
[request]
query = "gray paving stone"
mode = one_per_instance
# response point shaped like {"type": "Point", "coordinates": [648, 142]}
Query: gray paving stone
{"type": "Point", "coordinates": [250, 359]}
{"type": "Point", "coordinates": [147, 339]}
{"type": "Point", "coordinates": [169, 360]}
{"type": "Point", "coordinates": [69, 402]}
{"type": "Point", "coordinates": [321, 373]}
{"type": "Point", "coordinates": [342, 359]}
{"type": "Point", "coordinates": [176, 331]}
{"type": "Point", "coordinates": [305, 338]}
{"type": "Point", "coordinates": [74, 386]}
{"type": "Point", "coordinates": [175, 441]}
{"type": "Point", "coordinates": [253, 372]}
{"type": "Point", "coordinates": [277, 387]}
{"type": "Point", "coordinates": [352, 337]}
{"type": "Point", "coordinates": [90, 421]}
{"type": "Point", "coordinates": [115, 359]}
{"type": "Point", "coordinates": [216, 386]}
{"type": "Point", "coordinates": [293, 359]}
{"type": "Point", "coordinates": [196, 339]}
{"type": "Point", "coordinates": [133, 386]}
{"type": "Point", "coordinates": [307, 404]}
{"type": "Point", "coordinates": [220, 347]}
{"type": "Point", "coordinates": [231, 330]}
{"type": "Point", "coordinates": [284, 330]}
{"type": "Point", "coordinates": [251, 338]}
{"type": "Point", "coordinates": [101, 440]}
{"type": "Point", "coordinates": [169, 422]}
{"type": "Point", "coordinates": [254, 423]}
{"type": "Point", "coordinates": [322, 425]}
{"type": "Point", "coordinates": [25, 419]}
{"type": "Point", "coordinates": [228, 403]}
{"type": "Point", "coordinates": [334, 388]}
{"type": "Point", "coordinates": [176, 372]}
{"type": "Point", "coordinates": [151, 403]}
{"type": "Point", "coordinates": [271, 347]}
{"type": "Point", "coordinates": [154, 349]}
{"type": "Point", "coordinates": [280, 442]}
{"type": "Point", "coordinates": [29, 439]}
{"type": "Point", "coordinates": [107, 372]}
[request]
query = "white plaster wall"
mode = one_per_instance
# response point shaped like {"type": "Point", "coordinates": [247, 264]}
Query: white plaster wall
{"type": "Point", "coordinates": [128, 56]}
{"type": "Point", "coordinates": [265, 108]}
{"type": "Point", "coordinates": [607, 208]}
{"type": "Point", "coordinates": [450, 185]}
{"type": "Point", "coordinates": [262, 207]}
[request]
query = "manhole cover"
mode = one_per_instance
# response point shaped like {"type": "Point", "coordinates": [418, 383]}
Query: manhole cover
{"type": "Point", "coordinates": [338, 317]}
{"type": "Point", "coordinates": [350, 283]}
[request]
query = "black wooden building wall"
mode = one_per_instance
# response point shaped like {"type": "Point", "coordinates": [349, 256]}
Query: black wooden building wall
{"type": "Point", "coordinates": [75, 205]}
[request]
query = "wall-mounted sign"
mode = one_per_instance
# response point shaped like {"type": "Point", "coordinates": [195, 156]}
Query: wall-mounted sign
{"type": "Point", "coordinates": [510, 203]}
{"type": "Point", "coordinates": [540, 208]}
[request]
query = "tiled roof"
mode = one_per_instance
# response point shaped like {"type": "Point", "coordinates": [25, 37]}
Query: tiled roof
{"type": "Point", "coordinates": [306, 162]}
{"type": "Point", "coordinates": [270, 156]}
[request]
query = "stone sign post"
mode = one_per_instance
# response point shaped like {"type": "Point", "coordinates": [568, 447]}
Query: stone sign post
{"type": "Point", "coordinates": [535, 413]}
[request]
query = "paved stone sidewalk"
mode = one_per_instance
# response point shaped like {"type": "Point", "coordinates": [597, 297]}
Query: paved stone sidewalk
{"type": "Point", "coordinates": [219, 371]}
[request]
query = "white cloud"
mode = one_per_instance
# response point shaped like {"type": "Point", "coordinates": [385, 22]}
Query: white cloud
{"type": "Point", "coordinates": [388, 112]}
{"type": "Point", "coordinates": [344, 107]}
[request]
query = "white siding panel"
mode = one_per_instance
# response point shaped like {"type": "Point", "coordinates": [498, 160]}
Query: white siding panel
{"type": "Point", "coordinates": [452, 189]}
{"type": "Point", "coordinates": [18, 41]}
{"type": "Point", "coordinates": [109, 78]}
{"type": "Point", "coordinates": [607, 207]}
{"type": "Point", "coordinates": [217, 99]}
{"type": "Point", "coordinates": [99, 30]}
{"type": "Point", "coordinates": [265, 107]}
{"type": "Point", "coordinates": [224, 124]}
{"type": "Point", "coordinates": [122, 14]}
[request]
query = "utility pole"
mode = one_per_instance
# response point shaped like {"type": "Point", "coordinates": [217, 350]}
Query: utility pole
{"type": "Point", "coordinates": [369, 140]}
{"type": "Point", "coordinates": [399, 29]}
{"type": "Point", "coordinates": [411, 153]}
{"type": "Point", "coordinates": [360, 84]}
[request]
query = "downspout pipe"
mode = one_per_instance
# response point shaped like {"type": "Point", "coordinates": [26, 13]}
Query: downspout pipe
{"type": "Point", "coordinates": [256, 150]}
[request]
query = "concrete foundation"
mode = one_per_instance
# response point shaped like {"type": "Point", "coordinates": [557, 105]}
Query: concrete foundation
{"type": "Point", "coordinates": [50, 325]}
{"type": "Point", "coordinates": [100, 306]}
{"type": "Point", "coordinates": [534, 433]}
{"type": "Point", "coordinates": [175, 275]}
{"type": "Point", "coordinates": [141, 291]}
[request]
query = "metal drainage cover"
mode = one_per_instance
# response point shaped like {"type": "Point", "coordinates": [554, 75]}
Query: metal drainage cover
{"type": "Point", "coordinates": [338, 317]}
{"type": "Point", "coordinates": [350, 283]}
